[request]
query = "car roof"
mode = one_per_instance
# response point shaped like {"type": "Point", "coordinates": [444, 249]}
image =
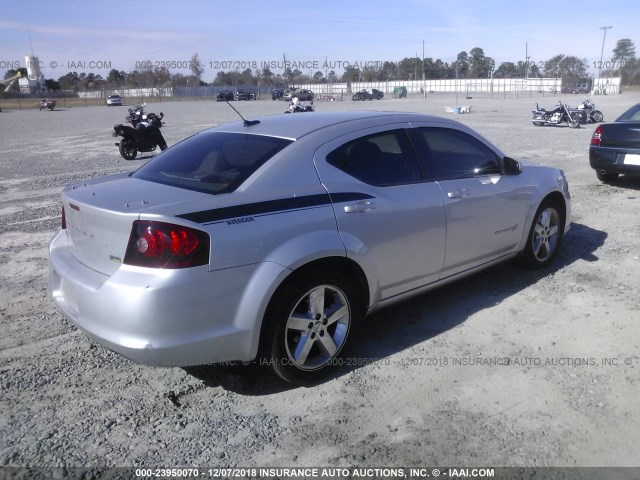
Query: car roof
{"type": "Point", "coordinates": [296, 125]}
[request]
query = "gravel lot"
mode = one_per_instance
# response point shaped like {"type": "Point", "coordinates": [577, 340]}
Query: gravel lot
{"type": "Point", "coordinates": [422, 387]}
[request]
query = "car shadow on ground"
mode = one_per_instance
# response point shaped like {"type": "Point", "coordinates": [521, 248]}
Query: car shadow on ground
{"type": "Point", "coordinates": [416, 320]}
{"type": "Point", "coordinates": [628, 182]}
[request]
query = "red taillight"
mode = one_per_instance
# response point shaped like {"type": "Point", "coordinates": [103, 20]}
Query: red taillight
{"type": "Point", "coordinates": [596, 138]}
{"type": "Point", "coordinates": [163, 245]}
{"type": "Point", "coordinates": [64, 219]}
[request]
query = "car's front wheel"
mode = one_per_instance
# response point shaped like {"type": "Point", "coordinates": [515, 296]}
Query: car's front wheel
{"type": "Point", "coordinates": [545, 235]}
{"type": "Point", "coordinates": [308, 324]}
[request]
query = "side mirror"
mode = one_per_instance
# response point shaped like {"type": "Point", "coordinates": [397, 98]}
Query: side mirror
{"type": "Point", "coordinates": [511, 166]}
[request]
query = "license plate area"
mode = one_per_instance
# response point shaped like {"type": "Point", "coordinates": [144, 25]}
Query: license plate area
{"type": "Point", "coordinates": [631, 159]}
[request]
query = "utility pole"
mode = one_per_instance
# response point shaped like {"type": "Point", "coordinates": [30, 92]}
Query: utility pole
{"type": "Point", "coordinates": [424, 89]}
{"type": "Point", "coordinates": [284, 70]}
{"type": "Point", "coordinates": [602, 51]}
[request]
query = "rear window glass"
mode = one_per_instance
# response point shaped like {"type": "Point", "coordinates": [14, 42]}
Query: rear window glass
{"type": "Point", "coordinates": [211, 162]}
{"type": "Point", "coordinates": [631, 115]}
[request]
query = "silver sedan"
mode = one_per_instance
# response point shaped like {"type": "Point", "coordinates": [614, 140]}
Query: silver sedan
{"type": "Point", "coordinates": [269, 239]}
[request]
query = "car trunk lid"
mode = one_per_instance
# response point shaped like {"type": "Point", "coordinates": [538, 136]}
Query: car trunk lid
{"type": "Point", "coordinates": [621, 135]}
{"type": "Point", "coordinates": [99, 215]}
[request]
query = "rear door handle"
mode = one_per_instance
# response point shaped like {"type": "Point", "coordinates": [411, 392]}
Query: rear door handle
{"type": "Point", "coordinates": [360, 207]}
{"type": "Point", "coordinates": [461, 193]}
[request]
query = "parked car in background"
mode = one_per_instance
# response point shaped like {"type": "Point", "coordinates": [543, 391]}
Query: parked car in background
{"type": "Point", "coordinates": [368, 94]}
{"type": "Point", "coordinates": [272, 238]}
{"type": "Point", "coordinates": [615, 147]}
{"type": "Point", "coordinates": [245, 95]}
{"type": "Point", "coordinates": [302, 94]}
{"type": "Point", "coordinates": [225, 96]}
{"type": "Point", "coordinates": [400, 92]}
{"type": "Point", "coordinates": [277, 94]}
{"type": "Point", "coordinates": [114, 100]}
{"type": "Point", "coordinates": [582, 88]}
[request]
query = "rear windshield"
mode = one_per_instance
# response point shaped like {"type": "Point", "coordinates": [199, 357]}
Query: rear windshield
{"type": "Point", "coordinates": [211, 162]}
{"type": "Point", "coordinates": [631, 115]}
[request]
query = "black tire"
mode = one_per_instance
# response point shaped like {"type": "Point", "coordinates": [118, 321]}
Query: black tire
{"type": "Point", "coordinates": [304, 341]}
{"type": "Point", "coordinates": [596, 116]}
{"type": "Point", "coordinates": [128, 149]}
{"type": "Point", "coordinates": [545, 235]}
{"type": "Point", "coordinates": [606, 177]}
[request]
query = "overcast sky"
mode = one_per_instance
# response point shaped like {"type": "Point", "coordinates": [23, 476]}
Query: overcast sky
{"type": "Point", "coordinates": [84, 36]}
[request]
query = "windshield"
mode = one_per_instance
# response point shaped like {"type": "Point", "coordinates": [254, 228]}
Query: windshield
{"type": "Point", "coordinates": [211, 162]}
{"type": "Point", "coordinates": [631, 115]}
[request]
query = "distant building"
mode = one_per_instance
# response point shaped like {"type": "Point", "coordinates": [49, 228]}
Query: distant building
{"type": "Point", "coordinates": [34, 81]}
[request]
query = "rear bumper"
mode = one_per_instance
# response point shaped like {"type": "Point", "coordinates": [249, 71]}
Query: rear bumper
{"type": "Point", "coordinates": [167, 318]}
{"type": "Point", "coordinates": [611, 160]}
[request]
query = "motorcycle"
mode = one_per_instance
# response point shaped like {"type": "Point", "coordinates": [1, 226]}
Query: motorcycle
{"type": "Point", "coordinates": [46, 103]}
{"type": "Point", "coordinates": [142, 136]}
{"type": "Point", "coordinates": [589, 112]}
{"type": "Point", "coordinates": [299, 108]}
{"type": "Point", "coordinates": [561, 114]}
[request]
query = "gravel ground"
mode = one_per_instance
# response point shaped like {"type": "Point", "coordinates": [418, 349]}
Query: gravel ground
{"type": "Point", "coordinates": [422, 387]}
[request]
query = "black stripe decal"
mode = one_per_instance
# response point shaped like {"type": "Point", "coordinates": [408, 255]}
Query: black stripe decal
{"type": "Point", "coordinates": [348, 197]}
{"type": "Point", "coordinates": [271, 206]}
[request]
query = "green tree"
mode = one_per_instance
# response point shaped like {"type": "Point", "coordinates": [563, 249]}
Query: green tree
{"type": "Point", "coordinates": [532, 69]}
{"type": "Point", "coordinates": [629, 67]}
{"type": "Point", "coordinates": [370, 74]}
{"type": "Point", "coordinates": [296, 76]}
{"type": "Point", "coordinates": [351, 74]}
{"type": "Point", "coordinates": [69, 81]}
{"type": "Point", "coordinates": [409, 68]}
{"type": "Point", "coordinates": [570, 69]}
{"type": "Point", "coordinates": [116, 77]}
{"type": "Point", "coordinates": [389, 71]}
{"type": "Point", "coordinates": [178, 80]}
{"type": "Point", "coordinates": [247, 78]}
{"type": "Point", "coordinates": [163, 77]}
{"type": "Point", "coordinates": [480, 66]}
{"type": "Point", "coordinates": [507, 70]}
{"type": "Point", "coordinates": [266, 76]}
{"type": "Point", "coordinates": [442, 70]}
{"type": "Point", "coordinates": [624, 51]}
{"type": "Point", "coordinates": [51, 84]}
{"type": "Point", "coordinates": [222, 79]}
{"type": "Point", "coordinates": [196, 66]}
{"type": "Point", "coordinates": [462, 65]}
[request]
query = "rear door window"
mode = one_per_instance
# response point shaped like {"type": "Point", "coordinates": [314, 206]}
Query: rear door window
{"type": "Point", "coordinates": [381, 159]}
{"type": "Point", "coordinates": [212, 162]}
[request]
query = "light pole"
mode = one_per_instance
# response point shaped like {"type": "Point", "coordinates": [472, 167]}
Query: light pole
{"type": "Point", "coordinates": [602, 51]}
